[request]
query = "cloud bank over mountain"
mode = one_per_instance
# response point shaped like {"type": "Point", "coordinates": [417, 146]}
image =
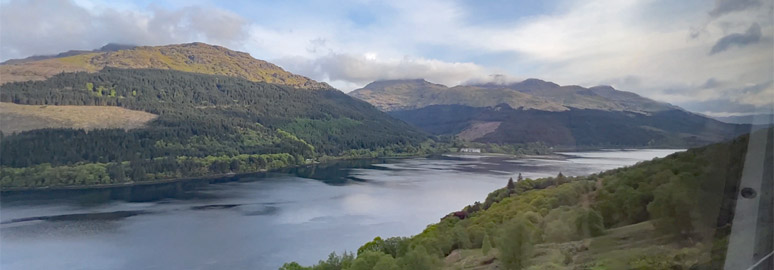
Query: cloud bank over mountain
{"type": "Point", "coordinates": [666, 50]}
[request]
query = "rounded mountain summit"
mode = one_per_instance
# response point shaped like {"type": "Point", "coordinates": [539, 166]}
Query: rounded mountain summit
{"type": "Point", "coordinates": [194, 57]}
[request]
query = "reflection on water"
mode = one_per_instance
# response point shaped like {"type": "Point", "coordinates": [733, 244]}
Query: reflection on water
{"type": "Point", "coordinates": [259, 221]}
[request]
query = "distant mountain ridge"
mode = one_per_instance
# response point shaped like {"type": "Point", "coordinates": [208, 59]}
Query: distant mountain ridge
{"type": "Point", "coordinates": [191, 57]}
{"type": "Point", "coordinates": [755, 119]}
{"type": "Point", "coordinates": [537, 111]}
{"type": "Point", "coordinates": [110, 47]}
{"type": "Point", "coordinates": [574, 128]}
{"type": "Point", "coordinates": [536, 94]}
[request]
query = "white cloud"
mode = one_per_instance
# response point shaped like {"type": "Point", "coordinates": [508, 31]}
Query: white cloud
{"type": "Point", "coordinates": [652, 47]}
{"type": "Point", "coordinates": [358, 70]}
{"type": "Point", "coordinates": [598, 42]}
{"type": "Point", "coordinates": [587, 43]}
{"type": "Point", "coordinates": [39, 27]}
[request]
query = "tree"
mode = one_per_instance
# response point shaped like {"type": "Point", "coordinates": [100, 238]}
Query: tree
{"type": "Point", "coordinates": [674, 208]}
{"type": "Point", "coordinates": [516, 244]}
{"type": "Point", "coordinates": [510, 184]}
{"type": "Point", "coordinates": [461, 236]}
{"type": "Point", "coordinates": [367, 260]}
{"type": "Point", "coordinates": [375, 245]}
{"type": "Point", "coordinates": [293, 266]}
{"type": "Point", "coordinates": [519, 178]}
{"type": "Point", "coordinates": [589, 223]}
{"type": "Point", "coordinates": [235, 165]}
{"type": "Point", "coordinates": [386, 263]}
{"type": "Point", "coordinates": [561, 179]}
{"type": "Point", "coordinates": [486, 245]}
{"type": "Point", "coordinates": [335, 262]}
{"type": "Point", "coordinates": [418, 259]}
{"type": "Point", "coordinates": [116, 172]}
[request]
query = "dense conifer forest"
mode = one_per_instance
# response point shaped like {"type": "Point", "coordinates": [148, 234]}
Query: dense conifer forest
{"type": "Point", "coordinates": [207, 125]}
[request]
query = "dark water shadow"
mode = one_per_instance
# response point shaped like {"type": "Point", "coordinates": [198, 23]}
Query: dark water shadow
{"type": "Point", "coordinates": [331, 173]}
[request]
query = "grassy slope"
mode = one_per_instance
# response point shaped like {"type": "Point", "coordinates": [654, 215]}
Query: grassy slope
{"type": "Point", "coordinates": [17, 118]}
{"type": "Point", "coordinates": [192, 57]}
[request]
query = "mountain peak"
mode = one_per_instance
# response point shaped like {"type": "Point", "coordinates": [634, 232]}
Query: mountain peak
{"type": "Point", "coordinates": [419, 80]}
{"type": "Point", "coordinates": [530, 84]}
{"type": "Point", "coordinates": [533, 80]}
{"type": "Point", "coordinates": [194, 57]}
{"type": "Point", "coordinates": [603, 86]}
{"type": "Point", "coordinates": [534, 84]}
{"type": "Point", "coordinates": [111, 47]}
{"type": "Point", "coordinates": [383, 84]}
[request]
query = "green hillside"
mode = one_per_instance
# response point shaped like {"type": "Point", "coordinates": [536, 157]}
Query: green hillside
{"type": "Point", "coordinates": [668, 213]}
{"type": "Point", "coordinates": [206, 125]}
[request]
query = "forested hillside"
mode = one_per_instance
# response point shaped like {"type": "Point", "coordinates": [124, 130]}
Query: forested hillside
{"type": "Point", "coordinates": [670, 213]}
{"type": "Point", "coordinates": [571, 128]}
{"type": "Point", "coordinates": [206, 125]}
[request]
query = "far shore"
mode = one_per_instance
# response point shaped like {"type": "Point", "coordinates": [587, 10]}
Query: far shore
{"type": "Point", "coordinates": [184, 179]}
{"type": "Point", "coordinates": [553, 156]}
{"type": "Point", "coordinates": [129, 184]}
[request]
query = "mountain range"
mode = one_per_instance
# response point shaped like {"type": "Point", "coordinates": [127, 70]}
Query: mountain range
{"type": "Point", "coordinates": [536, 94]}
{"type": "Point", "coordinates": [534, 110]}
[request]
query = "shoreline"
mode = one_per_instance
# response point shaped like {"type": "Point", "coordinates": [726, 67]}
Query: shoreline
{"type": "Point", "coordinates": [503, 155]}
{"type": "Point", "coordinates": [130, 184]}
{"type": "Point", "coordinates": [187, 179]}
{"type": "Point", "coordinates": [552, 156]}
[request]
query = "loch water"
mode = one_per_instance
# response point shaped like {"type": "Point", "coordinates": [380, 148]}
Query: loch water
{"type": "Point", "coordinates": [260, 221]}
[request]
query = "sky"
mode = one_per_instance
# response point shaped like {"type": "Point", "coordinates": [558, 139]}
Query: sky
{"type": "Point", "coordinates": [709, 56]}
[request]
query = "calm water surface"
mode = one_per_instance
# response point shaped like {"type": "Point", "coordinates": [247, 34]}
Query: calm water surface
{"type": "Point", "coordinates": [261, 221]}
